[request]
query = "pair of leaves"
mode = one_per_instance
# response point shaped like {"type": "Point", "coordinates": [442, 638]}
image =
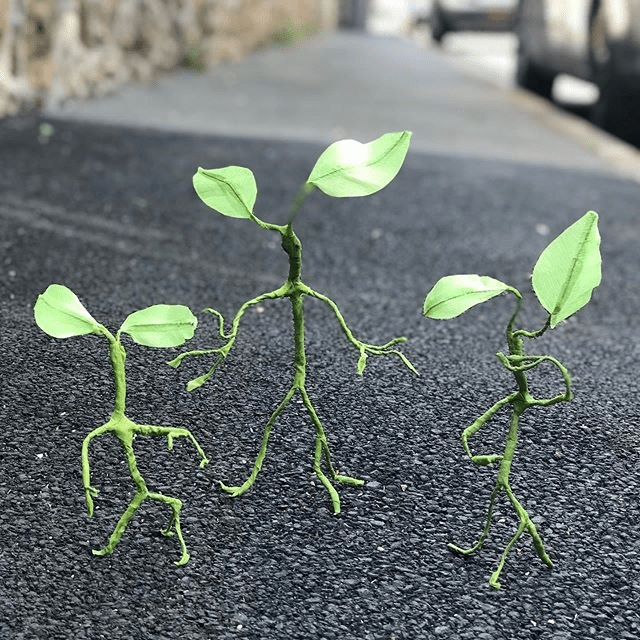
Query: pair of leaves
{"type": "Point", "coordinates": [563, 278]}
{"type": "Point", "coordinates": [59, 313]}
{"type": "Point", "coordinates": [345, 169]}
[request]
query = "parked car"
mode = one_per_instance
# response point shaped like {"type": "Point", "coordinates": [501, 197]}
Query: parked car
{"type": "Point", "coordinates": [471, 15]}
{"type": "Point", "coordinates": [596, 40]}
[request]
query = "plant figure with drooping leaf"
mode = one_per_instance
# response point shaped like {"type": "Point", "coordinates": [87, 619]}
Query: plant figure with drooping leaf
{"type": "Point", "coordinates": [563, 279]}
{"type": "Point", "coordinates": [59, 313]}
{"type": "Point", "coordinates": [345, 169]}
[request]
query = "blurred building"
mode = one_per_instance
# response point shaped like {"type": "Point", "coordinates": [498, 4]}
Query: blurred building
{"type": "Point", "coordinates": [51, 50]}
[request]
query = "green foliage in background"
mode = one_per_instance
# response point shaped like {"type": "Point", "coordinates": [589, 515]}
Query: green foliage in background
{"type": "Point", "coordinates": [292, 31]}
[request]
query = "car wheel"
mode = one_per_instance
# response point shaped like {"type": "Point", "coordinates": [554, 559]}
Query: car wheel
{"type": "Point", "coordinates": [616, 108]}
{"type": "Point", "coordinates": [616, 111]}
{"type": "Point", "coordinates": [531, 77]}
{"type": "Point", "coordinates": [438, 25]}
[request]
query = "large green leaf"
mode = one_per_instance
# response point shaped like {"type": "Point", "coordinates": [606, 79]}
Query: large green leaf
{"type": "Point", "coordinates": [453, 295]}
{"type": "Point", "coordinates": [162, 325]}
{"type": "Point", "coordinates": [231, 191]}
{"type": "Point", "coordinates": [59, 313]}
{"type": "Point", "coordinates": [569, 269]}
{"type": "Point", "coordinates": [349, 168]}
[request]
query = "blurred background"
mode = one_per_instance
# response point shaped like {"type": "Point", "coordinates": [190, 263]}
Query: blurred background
{"type": "Point", "coordinates": [581, 55]}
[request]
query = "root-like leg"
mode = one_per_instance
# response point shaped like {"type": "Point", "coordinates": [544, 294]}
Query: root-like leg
{"type": "Point", "coordinates": [493, 580]}
{"type": "Point", "coordinates": [174, 523]}
{"type": "Point", "coordinates": [257, 466]}
{"type": "Point", "coordinates": [122, 524]}
{"type": "Point", "coordinates": [322, 446]}
{"type": "Point", "coordinates": [531, 527]}
{"type": "Point", "coordinates": [525, 523]}
{"type": "Point", "coordinates": [333, 494]}
{"type": "Point", "coordinates": [485, 531]}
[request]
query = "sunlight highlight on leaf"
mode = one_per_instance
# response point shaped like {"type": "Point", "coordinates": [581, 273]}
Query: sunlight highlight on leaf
{"type": "Point", "coordinates": [349, 168]}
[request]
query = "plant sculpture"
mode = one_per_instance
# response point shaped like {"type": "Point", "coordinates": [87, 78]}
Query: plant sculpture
{"type": "Point", "coordinates": [563, 278]}
{"type": "Point", "coordinates": [59, 313]}
{"type": "Point", "coordinates": [345, 169]}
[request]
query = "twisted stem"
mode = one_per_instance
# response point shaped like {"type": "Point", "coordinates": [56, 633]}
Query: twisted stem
{"type": "Point", "coordinates": [520, 401]}
{"type": "Point", "coordinates": [295, 290]}
{"type": "Point", "coordinates": [125, 430]}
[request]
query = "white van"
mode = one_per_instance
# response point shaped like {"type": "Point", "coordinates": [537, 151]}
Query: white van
{"type": "Point", "coordinates": [596, 40]}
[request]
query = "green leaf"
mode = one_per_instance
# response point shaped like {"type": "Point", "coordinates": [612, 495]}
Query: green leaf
{"type": "Point", "coordinates": [453, 295]}
{"type": "Point", "coordinates": [59, 313]}
{"type": "Point", "coordinates": [162, 325]}
{"type": "Point", "coordinates": [349, 168]}
{"type": "Point", "coordinates": [569, 269]}
{"type": "Point", "coordinates": [230, 191]}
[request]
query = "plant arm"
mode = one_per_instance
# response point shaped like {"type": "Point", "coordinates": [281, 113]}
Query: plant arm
{"type": "Point", "coordinates": [364, 348]}
{"type": "Point", "coordinates": [171, 433]}
{"type": "Point", "coordinates": [520, 363]}
{"type": "Point", "coordinates": [472, 429]}
{"type": "Point", "coordinates": [230, 338]}
{"type": "Point", "coordinates": [89, 491]}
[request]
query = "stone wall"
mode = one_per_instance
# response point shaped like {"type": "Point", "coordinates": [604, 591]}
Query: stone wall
{"type": "Point", "coordinates": [51, 50]}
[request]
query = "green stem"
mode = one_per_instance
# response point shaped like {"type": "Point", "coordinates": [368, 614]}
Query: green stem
{"type": "Point", "coordinates": [509, 450]}
{"type": "Point", "coordinates": [125, 430]}
{"type": "Point", "coordinates": [257, 466]}
{"type": "Point", "coordinates": [295, 290]}
{"type": "Point", "coordinates": [520, 400]}
{"type": "Point", "coordinates": [293, 248]}
{"type": "Point", "coordinates": [364, 348]}
{"type": "Point", "coordinates": [301, 196]}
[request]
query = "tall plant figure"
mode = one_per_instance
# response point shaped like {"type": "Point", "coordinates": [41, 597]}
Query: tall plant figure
{"type": "Point", "coordinates": [345, 169]}
{"type": "Point", "coordinates": [59, 313]}
{"type": "Point", "coordinates": [563, 279]}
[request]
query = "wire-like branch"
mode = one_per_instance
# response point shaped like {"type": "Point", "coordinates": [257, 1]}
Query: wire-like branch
{"type": "Point", "coordinates": [364, 348]}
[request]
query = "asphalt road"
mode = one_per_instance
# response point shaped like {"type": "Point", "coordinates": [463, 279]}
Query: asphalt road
{"type": "Point", "coordinates": [109, 211]}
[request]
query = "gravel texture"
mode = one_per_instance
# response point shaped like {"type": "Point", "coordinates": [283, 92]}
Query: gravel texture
{"type": "Point", "coordinates": [110, 212]}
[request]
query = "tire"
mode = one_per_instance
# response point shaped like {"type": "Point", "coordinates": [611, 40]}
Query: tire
{"type": "Point", "coordinates": [438, 25]}
{"type": "Point", "coordinates": [616, 111]}
{"type": "Point", "coordinates": [617, 107]}
{"type": "Point", "coordinates": [533, 78]}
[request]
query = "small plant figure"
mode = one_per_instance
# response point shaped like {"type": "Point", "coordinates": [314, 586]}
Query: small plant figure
{"type": "Point", "coordinates": [345, 169]}
{"type": "Point", "coordinates": [563, 278]}
{"type": "Point", "coordinates": [59, 313]}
